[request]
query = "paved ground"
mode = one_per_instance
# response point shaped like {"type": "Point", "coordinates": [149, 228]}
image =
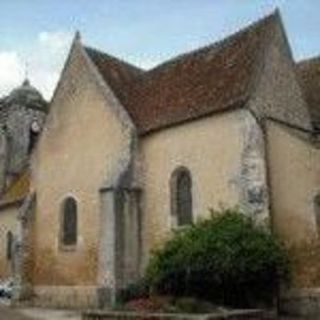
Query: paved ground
{"type": "Point", "coordinates": [47, 314]}
{"type": "Point", "coordinates": [7, 313]}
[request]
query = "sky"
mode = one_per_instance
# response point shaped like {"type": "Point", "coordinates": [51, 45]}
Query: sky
{"type": "Point", "coordinates": [35, 35]}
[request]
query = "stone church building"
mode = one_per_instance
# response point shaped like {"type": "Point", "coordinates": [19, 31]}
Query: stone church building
{"type": "Point", "coordinates": [126, 155]}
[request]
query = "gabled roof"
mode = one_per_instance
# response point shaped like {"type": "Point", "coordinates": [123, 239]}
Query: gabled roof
{"type": "Point", "coordinates": [309, 76]}
{"type": "Point", "coordinates": [116, 73]}
{"type": "Point", "coordinates": [193, 85]}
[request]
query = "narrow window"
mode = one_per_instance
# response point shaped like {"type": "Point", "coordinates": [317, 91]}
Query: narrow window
{"type": "Point", "coordinates": [181, 196]}
{"type": "Point", "coordinates": [317, 211]}
{"type": "Point", "coordinates": [9, 245]}
{"type": "Point", "coordinates": [69, 222]}
{"type": "Point", "coordinates": [33, 135]}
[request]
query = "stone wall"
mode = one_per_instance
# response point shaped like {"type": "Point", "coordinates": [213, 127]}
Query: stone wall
{"type": "Point", "coordinates": [223, 170]}
{"type": "Point", "coordinates": [301, 303]}
{"type": "Point", "coordinates": [18, 132]}
{"type": "Point", "coordinates": [253, 176]}
{"type": "Point", "coordinates": [70, 160]}
{"type": "Point", "coordinates": [294, 169]}
{"type": "Point", "coordinates": [3, 159]}
{"type": "Point", "coordinates": [65, 297]}
{"type": "Point", "coordinates": [8, 222]}
{"type": "Point", "coordinates": [22, 116]}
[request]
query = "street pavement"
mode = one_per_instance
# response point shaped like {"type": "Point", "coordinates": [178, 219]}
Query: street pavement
{"type": "Point", "coordinates": [8, 313]}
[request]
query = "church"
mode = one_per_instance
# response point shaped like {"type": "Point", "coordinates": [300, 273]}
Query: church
{"type": "Point", "coordinates": [96, 179]}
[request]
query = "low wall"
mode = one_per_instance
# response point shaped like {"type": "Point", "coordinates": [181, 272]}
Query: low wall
{"type": "Point", "coordinates": [118, 315]}
{"type": "Point", "coordinates": [300, 302]}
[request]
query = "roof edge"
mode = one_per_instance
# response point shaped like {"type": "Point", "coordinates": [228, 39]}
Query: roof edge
{"type": "Point", "coordinates": [274, 15]}
{"type": "Point", "coordinates": [76, 41]}
{"type": "Point", "coordinates": [312, 59]}
{"type": "Point", "coordinates": [231, 107]}
{"type": "Point", "coordinates": [108, 92]}
{"type": "Point", "coordinates": [110, 56]}
{"type": "Point", "coordinates": [260, 59]}
{"type": "Point", "coordinates": [292, 126]}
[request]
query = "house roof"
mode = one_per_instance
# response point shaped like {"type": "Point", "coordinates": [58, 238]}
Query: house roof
{"type": "Point", "coordinates": [309, 76]}
{"type": "Point", "coordinates": [214, 78]}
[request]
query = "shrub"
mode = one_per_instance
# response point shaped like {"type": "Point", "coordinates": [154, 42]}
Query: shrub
{"type": "Point", "coordinates": [136, 290]}
{"type": "Point", "coordinates": [226, 259]}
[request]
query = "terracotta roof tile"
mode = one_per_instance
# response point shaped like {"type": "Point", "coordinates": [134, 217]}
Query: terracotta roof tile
{"type": "Point", "coordinates": [193, 85]}
{"type": "Point", "coordinates": [309, 75]}
{"type": "Point", "coordinates": [116, 73]}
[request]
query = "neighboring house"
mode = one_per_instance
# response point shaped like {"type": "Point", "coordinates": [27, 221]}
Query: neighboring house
{"type": "Point", "coordinates": [127, 155]}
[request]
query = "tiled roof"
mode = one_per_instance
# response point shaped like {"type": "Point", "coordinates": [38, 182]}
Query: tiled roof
{"type": "Point", "coordinates": [309, 76]}
{"type": "Point", "coordinates": [17, 190]}
{"type": "Point", "coordinates": [116, 73]}
{"type": "Point", "coordinates": [193, 85]}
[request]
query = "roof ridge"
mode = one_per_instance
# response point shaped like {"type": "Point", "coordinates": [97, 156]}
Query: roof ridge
{"type": "Point", "coordinates": [220, 44]}
{"type": "Point", "coordinates": [112, 57]}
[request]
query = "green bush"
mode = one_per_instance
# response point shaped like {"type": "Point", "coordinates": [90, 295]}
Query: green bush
{"type": "Point", "coordinates": [137, 290]}
{"type": "Point", "coordinates": [225, 259]}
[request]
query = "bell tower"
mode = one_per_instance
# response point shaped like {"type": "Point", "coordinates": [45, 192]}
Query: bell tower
{"type": "Point", "coordinates": [22, 117]}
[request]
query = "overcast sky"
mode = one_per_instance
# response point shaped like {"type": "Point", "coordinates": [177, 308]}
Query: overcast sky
{"type": "Point", "coordinates": [36, 34]}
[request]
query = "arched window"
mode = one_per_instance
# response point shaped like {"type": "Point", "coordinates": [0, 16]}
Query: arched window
{"type": "Point", "coordinates": [317, 211]}
{"type": "Point", "coordinates": [9, 245]}
{"type": "Point", "coordinates": [69, 222]}
{"type": "Point", "coordinates": [181, 196]}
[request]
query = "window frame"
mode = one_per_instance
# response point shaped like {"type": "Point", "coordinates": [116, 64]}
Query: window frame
{"type": "Point", "coordinates": [62, 244]}
{"type": "Point", "coordinates": [9, 245]}
{"type": "Point", "coordinates": [174, 197]}
{"type": "Point", "coordinates": [316, 210]}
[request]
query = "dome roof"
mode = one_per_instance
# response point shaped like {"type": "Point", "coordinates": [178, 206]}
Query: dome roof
{"type": "Point", "coordinates": [26, 95]}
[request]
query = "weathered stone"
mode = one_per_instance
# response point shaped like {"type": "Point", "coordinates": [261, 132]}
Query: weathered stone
{"type": "Point", "coordinates": [22, 116]}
